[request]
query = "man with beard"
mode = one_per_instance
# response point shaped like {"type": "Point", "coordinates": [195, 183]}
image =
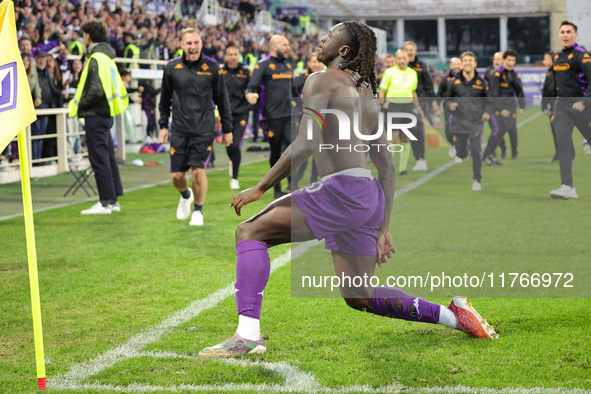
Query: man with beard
{"type": "Point", "coordinates": [272, 82]}
{"type": "Point", "coordinates": [349, 208]}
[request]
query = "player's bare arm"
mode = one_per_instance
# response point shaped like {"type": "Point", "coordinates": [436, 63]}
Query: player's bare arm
{"type": "Point", "coordinates": [384, 163]}
{"type": "Point", "coordinates": [298, 152]}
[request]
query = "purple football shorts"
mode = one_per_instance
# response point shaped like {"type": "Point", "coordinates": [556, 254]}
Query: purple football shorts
{"type": "Point", "coordinates": [345, 209]}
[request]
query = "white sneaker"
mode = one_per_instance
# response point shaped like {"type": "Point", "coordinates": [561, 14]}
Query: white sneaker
{"type": "Point", "coordinates": [587, 149]}
{"type": "Point", "coordinates": [476, 186]}
{"type": "Point", "coordinates": [196, 219]}
{"type": "Point", "coordinates": [230, 168]}
{"type": "Point", "coordinates": [452, 151]}
{"type": "Point", "coordinates": [183, 211]}
{"type": "Point", "coordinates": [234, 184]}
{"type": "Point", "coordinates": [115, 207]}
{"type": "Point", "coordinates": [423, 165]}
{"type": "Point", "coordinates": [564, 192]}
{"type": "Point", "coordinates": [420, 165]}
{"type": "Point", "coordinates": [457, 160]}
{"type": "Point", "coordinates": [97, 209]}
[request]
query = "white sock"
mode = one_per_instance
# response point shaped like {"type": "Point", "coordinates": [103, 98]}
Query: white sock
{"type": "Point", "coordinates": [249, 328]}
{"type": "Point", "coordinates": [447, 317]}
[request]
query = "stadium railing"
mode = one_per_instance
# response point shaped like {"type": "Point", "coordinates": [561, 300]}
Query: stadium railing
{"type": "Point", "coordinates": [212, 14]}
{"type": "Point", "coordinates": [58, 164]}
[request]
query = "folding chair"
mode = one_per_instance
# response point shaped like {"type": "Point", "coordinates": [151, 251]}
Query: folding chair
{"type": "Point", "coordinates": [80, 178]}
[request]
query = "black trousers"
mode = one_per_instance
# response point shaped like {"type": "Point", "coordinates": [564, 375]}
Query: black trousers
{"type": "Point", "coordinates": [565, 119]}
{"type": "Point", "coordinates": [461, 143]}
{"type": "Point", "coordinates": [418, 146]}
{"type": "Point", "coordinates": [501, 125]}
{"type": "Point", "coordinates": [278, 132]}
{"type": "Point", "coordinates": [102, 157]}
{"type": "Point", "coordinates": [234, 151]}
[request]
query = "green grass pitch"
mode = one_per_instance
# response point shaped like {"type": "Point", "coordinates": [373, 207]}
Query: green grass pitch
{"type": "Point", "coordinates": [118, 293]}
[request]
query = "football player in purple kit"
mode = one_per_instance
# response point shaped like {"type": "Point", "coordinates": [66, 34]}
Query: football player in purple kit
{"type": "Point", "coordinates": [348, 208]}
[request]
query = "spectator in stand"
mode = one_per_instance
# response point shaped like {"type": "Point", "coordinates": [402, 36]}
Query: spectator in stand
{"type": "Point", "coordinates": [32, 77]}
{"type": "Point", "coordinates": [72, 123]}
{"type": "Point", "coordinates": [132, 50]}
{"type": "Point", "coordinates": [48, 92]}
{"type": "Point", "coordinates": [25, 47]}
{"type": "Point", "coordinates": [57, 101]}
{"type": "Point", "coordinates": [62, 60]}
{"type": "Point", "coordinates": [76, 47]}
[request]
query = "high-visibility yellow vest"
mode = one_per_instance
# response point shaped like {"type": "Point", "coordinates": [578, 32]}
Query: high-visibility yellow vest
{"type": "Point", "coordinates": [250, 60]}
{"type": "Point", "coordinates": [135, 54]}
{"type": "Point", "coordinates": [113, 86]}
{"type": "Point", "coordinates": [178, 53]}
{"type": "Point", "coordinates": [76, 44]}
{"type": "Point", "coordinates": [135, 50]}
{"type": "Point", "coordinates": [304, 21]}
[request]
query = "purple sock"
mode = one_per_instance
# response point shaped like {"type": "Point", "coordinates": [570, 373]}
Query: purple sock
{"type": "Point", "coordinates": [398, 304]}
{"type": "Point", "coordinates": [252, 273]}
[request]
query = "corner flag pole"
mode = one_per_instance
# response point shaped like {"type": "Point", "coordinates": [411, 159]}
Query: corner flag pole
{"type": "Point", "coordinates": [32, 258]}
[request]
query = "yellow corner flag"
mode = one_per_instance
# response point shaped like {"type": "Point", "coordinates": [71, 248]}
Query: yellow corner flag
{"type": "Point", "coordinates": [16, 103]}
{"type": "Point", "coordinates": [16, 112]}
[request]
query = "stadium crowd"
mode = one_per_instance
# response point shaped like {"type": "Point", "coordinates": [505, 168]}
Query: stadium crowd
{"type": "Point", "coordinates": [49, 31]}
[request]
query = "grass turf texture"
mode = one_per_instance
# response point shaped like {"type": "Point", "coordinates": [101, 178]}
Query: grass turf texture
{"type": "Point", "coordinates": [105, 279]}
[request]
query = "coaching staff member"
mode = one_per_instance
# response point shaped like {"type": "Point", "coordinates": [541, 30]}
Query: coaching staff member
{"type": "Point", "coordinates": [100, 96]}
{"type": "Point", "coordinates": [505, 88]}
{"type": "Point", "coordinates": [189, 84]}
{"type": "Point", "coordinates": [236, 76]}
{"type": "Point", "coordinates": [467, 99]}
{"type": "Point", "coordinates": [272, 79]}
{"type": "Point", "coordinates": [572, 73]}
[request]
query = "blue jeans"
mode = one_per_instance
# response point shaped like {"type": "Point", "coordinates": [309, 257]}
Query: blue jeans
{"type": "Point", "coordinates": [39, 127]}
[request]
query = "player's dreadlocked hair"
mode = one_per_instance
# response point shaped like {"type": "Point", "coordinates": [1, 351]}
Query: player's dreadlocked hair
{"type": "Point", "coordinates": [362, 41]}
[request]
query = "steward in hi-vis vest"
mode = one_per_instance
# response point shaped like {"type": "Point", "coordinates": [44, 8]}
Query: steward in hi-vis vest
{"type": "Point", "coordinates": [100, 96]}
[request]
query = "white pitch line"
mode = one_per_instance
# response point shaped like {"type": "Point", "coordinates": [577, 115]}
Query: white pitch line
{"type": "Point", "coordinates": [132, 348]}
{"type": "Point", "coordinates": [133, 189]}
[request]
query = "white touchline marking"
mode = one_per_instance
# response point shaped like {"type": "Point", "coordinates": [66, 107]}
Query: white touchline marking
{"type": "Point", "coordinates": [133, 189]}
{"type": "Point", "coordinates": [131, 348]}
{"type": "Point", "coordinates": [72, 379]}
{"type": "Point", "coordinates": [527, 120]}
